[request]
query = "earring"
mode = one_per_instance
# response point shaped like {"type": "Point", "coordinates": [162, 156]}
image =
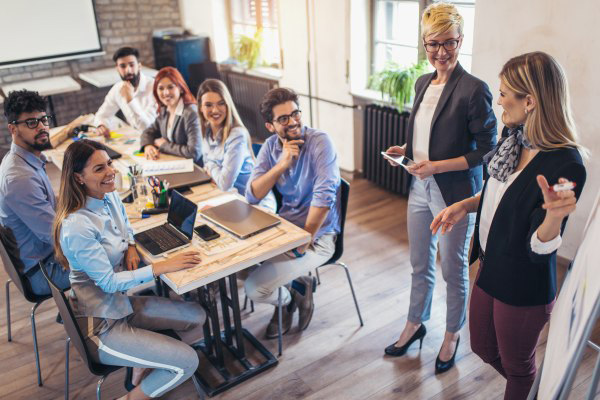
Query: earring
{"type": "Point", "coordinates": [526, 111]}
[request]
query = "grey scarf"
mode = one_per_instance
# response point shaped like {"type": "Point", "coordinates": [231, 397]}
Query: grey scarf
{"type": "Point", "coordinates": [502, 161]}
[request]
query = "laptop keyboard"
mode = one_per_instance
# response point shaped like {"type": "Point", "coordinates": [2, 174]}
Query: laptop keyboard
{"type": "Point", "coordinates": [160, 239]}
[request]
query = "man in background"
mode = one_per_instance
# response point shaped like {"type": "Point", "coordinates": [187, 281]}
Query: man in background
{"type": "Point", "coordinates": [133, 95]}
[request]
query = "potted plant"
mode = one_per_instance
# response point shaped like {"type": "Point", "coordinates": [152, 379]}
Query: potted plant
{"type": "Point", "coordinates": [397, 82]}
{"type": "Point", "coordinates": [247, 49]}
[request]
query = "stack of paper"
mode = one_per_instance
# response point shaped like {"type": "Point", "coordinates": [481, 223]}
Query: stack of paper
{"type": "Point", "coordinates": [167, 167]}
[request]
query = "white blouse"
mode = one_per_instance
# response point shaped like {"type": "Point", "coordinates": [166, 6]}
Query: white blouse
{"type": "Point", "coordinates": [423, 118]}
{"type": "Point", "coordinates": [493, 195]}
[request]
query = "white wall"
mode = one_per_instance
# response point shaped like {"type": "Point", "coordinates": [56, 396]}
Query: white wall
{"type": "Point", "coordinates": [564, 29]}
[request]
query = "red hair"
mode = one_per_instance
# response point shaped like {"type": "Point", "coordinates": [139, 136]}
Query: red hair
{"type": "Point", "coordinates": [177, 79]}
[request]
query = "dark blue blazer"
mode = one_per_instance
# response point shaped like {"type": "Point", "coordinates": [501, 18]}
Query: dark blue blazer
{"type": "Point", "coordinates": [463, 124]}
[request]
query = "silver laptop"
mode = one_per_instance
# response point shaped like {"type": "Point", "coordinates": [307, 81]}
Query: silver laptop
{"type": "Point", "coordinates": [240, 218]}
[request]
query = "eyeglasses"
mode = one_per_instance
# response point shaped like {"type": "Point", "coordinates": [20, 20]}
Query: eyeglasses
{"type": "Point", "coordinates": [33, 123]}
{"type": "Point", "coordinates": [449, 45]}
{"type": "Point", "coordinates": [285, 119]}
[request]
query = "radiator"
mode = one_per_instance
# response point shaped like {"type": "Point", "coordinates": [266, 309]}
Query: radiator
{"type": "Point", "coordinates": [247, 92]}
{"type": "Point", "coordinates": [384, 127]}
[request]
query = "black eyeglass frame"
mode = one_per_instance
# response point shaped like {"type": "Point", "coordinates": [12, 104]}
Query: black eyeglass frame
{"type": "Point", "coordinates": [444, 44]}
{"type": "Point", "coordinates": [296, 115]}
{"type": "Point", "coordinates": [29, 121]}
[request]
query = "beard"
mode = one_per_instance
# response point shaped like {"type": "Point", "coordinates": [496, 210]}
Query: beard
{"type": "Point", "coordinates": [41, 146]}
{"type": "Point", "coordinates": [134, 79]}
{"type": "Point", "coordinates": [285, 135]}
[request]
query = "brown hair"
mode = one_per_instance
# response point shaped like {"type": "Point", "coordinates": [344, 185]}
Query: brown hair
{"type": "Point", "coordinates": [550, 124]}
{"type": "Point", "coordinates": [275, 97]}
{"type": "Point", "coordinates": [72, 195]}
{"type": "Point", "coordinates": [177, 79]}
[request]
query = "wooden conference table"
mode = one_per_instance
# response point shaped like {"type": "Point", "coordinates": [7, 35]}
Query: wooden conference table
{"type": "Point", "coordinates": [214, 279]}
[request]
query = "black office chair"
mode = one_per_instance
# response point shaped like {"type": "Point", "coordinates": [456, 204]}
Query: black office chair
{"type": "Point", "coordinates": [75, 336]}
{"type": "Point", "coordinates": [8, 249]}
{"type": "Point", "coordinates": [334, 260]}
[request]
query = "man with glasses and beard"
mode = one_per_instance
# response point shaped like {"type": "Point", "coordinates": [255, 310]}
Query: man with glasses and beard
{"type": "Point", "coordinates": [27, 202]}
{"type": "Point", "coordinates": [133, 95]}
{"type": "Point", "coordinates": [301, 163]}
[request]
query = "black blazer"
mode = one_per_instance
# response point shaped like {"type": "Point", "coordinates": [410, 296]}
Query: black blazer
{"type": "Point", "coordinates": [512, 272]}
{"type": "Point", "coordinates": [187, 139]}
{"type": "Point", "coordinates": [463, 124]}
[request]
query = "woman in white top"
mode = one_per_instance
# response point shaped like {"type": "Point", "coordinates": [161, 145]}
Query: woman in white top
{"type": "Point", "coordinates": [451, 127]}
{"type": "Point", "coordinates": [520, 218]}
{"type": "Point", "coordinates": [176, 129]}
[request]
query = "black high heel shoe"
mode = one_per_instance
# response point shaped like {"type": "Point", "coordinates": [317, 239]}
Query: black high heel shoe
{"type": "Point", "coordinates": [393, 350]}
{"type": "Point", "coordinates": [443, 366]}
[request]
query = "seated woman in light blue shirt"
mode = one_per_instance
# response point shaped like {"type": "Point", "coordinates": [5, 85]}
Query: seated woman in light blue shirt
{"type": "Point", "coordinates": [226, 144]}
{"type": "Point", "coordinates": [94, 240]}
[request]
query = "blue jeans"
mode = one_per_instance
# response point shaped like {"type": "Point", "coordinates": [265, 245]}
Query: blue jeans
{"type": "Point", "coordinates": [424, 203]}
{"type": "Point", "coordinates": [58, 275]}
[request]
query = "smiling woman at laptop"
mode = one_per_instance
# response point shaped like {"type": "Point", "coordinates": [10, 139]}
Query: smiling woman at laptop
{"type": "Point", "coordinates": [93, 238]}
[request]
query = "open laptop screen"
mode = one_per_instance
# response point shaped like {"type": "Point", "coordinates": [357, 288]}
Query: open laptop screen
{"type": "Point", "coordinates": [182, 214]}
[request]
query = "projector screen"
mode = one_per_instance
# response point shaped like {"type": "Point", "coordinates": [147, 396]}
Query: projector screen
{"type": "Point", "coordinates": [37, 31]}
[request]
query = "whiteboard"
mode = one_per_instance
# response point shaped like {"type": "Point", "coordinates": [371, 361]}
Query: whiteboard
{"type": "Point", "coordinates": [37, 31]}
{"type": "Point", "coordinates": [573, 309]}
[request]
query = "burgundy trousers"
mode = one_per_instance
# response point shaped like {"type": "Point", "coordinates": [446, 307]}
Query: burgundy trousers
{"type": "Point", "coordinates": [506, 337]}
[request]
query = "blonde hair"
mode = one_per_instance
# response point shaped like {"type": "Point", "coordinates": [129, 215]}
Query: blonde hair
{"type": "Point", "coordinates": [439, 18]}
{"type": "Point", "coordinates": [550, 124]}
{"type": "Point", "coordinates": [72, 195]}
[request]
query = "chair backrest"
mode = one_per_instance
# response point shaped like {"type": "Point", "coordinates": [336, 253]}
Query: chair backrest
{"type": "Point", "coordinates": [339, 242]}
{"type": "Point", "coordinates": [73, 331]}
{"type": "Point", "coordinates": [8, 247]}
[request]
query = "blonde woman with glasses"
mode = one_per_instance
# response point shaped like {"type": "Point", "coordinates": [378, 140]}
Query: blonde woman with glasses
{"type": "Point", "coordinates": [451, 127]}
{"type": "Point", "coordinates": [521, 214]}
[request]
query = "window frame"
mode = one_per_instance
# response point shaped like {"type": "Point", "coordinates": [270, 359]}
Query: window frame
{"type": "Point", "coordinates": [259, 24]}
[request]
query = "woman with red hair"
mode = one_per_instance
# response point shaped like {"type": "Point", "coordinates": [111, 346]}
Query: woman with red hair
{"type": "Point", "coordinates": [176, 129]}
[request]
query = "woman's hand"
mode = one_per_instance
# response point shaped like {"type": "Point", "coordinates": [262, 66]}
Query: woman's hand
{"type": "Point", "coordinates": [448, 217]}
{"type": "Point", "coordinates": [423, 169]}
{"type": "Point", "coordinates": [399, 150]}
{"type": "Point", "coordinates": [151, 152]}
{"type": "Point", "coordinates": [132, 258]}
{"type": "Point", "coordinates": [185, 260]}
{"type": "Point", "coordinates": [557, 204]}
{"type": "Point", "coordinates": [159, 142]}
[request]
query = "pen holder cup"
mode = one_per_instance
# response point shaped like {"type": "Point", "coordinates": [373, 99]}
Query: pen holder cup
{"type": "Point", "coordinates": [160, 200]}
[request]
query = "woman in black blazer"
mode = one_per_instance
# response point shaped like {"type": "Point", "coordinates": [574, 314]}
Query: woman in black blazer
{"type": "Point", "coordinates": [176, 129]}
{"type": "Point", "coordinates": [451, 127]}
{"type": "Point", "coordinates": [520, 218]}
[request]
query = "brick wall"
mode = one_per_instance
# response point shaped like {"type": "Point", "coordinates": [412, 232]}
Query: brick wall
{"type": "Point", "coordinates": [121, 23]}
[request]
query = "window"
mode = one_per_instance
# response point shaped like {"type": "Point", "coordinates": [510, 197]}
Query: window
{"type": "Point", "coordinates": [396, 32]}
{"type": "Point", "coordinates": [248, 16]}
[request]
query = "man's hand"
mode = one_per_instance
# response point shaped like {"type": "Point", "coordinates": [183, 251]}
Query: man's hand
{"type": "Point", "coordinates": [132, 258]}
{"type": "Point", "coordinates": [151, 152]}
{"type": "Point", "coordinates": [127, 91]}
{"type": "Point", "coordinates": [160, 141]}
{"type": "Point", "coordinates": [291, 151]}
{"type": "Point", "coordinates": [103, 130]}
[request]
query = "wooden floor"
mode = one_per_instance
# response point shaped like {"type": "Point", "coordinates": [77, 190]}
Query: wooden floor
{"type": "Point", "coordinates": [333, 359]}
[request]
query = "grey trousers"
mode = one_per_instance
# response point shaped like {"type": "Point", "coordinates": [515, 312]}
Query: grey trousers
{"type": "Point", "coordinates": [424, 203]}
{"type": "Point", "coordinates": [131, 342]}
{"type": "Point", "coordinates": [262, 283]}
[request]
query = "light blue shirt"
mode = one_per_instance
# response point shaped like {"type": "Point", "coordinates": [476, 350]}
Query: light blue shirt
{"type": "Point", "coordinates": [230, 163]}
{"type": "Point", "coordinates": [27, 204]}
{"type": "Point", "coordinates": [313, 179]}
{"type": "Point", "coordinates": [94, 240]}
